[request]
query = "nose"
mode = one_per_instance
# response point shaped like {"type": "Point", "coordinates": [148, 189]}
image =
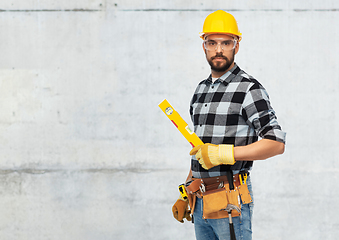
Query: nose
{"type": "Point", "coordinates": [219, 48]}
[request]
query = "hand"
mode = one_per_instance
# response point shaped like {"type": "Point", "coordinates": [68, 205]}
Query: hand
{"type": "Point", "coordinates": [210, 155]}
{"type": "Point", "coordinates": [180, 211]}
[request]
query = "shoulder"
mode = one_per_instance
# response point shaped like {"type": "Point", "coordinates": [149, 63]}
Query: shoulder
{"type": "Point", "coordinates": [199, 90]}
{"type": "Point", "coordinates": [201, 85]}
{"type": "Point", "coordinates": [249, 82]}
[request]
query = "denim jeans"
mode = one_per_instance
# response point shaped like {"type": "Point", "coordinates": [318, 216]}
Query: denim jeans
{"type": "Point", "coordinates": [218, 229]}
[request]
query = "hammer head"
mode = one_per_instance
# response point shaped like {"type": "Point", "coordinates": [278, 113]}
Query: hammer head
{"type": "Point", "coordinates": [230, 207]}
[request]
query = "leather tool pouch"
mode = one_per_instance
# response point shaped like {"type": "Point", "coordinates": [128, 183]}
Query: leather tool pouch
{"type": "Point", "coordinates": [216, 198]}
{"type": "Point", "coordinates": [214, 201]}
{"type": "Point", "coordinates": [233, 197]}
{"type": "Point", "coordinates": [244, 194]}
{"type": "Point", "coordinates": [193, 186]}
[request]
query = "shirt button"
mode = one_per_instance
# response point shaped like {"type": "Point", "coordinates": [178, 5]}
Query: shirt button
{"type": "Point", "coordinates": [205, 105]}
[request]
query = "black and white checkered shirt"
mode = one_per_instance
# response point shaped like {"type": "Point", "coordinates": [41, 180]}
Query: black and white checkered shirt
{"type": "Point", "coordinates": [235, 109]}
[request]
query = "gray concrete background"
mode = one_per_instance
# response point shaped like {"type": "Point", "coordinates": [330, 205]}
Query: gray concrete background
{"type": "Point", "coordinates": [87, 154]}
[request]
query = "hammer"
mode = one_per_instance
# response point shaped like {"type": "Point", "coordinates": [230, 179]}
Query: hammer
{"type": "Point", "coordinates": [229, 209]}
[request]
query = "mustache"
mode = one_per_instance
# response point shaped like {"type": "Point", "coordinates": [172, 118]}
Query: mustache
{"type": "Point", "coordinates": [219, 55]}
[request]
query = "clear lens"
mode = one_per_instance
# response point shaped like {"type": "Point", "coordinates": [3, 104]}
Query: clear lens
{"type": "Point", "coordinates": [226, 45]}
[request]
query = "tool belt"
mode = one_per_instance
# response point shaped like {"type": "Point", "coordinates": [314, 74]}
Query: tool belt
{"type": "Point", "coordinates": [216, 195]}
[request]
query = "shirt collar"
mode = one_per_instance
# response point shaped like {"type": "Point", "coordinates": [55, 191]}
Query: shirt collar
{"type": "Point", "coordinates": [228, 76]}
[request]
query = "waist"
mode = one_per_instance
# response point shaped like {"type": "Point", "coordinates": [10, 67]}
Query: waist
{"type": "Point", "coordinates": [211, 183]}
{"type": "Point", "coordinates": [238, 167]}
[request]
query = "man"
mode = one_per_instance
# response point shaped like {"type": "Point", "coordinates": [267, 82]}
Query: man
{"type": "Point", "coordinates": [230, 111]}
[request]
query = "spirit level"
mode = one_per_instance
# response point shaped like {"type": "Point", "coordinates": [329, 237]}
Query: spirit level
{"type": "Point", "coordinates": [182, 126]}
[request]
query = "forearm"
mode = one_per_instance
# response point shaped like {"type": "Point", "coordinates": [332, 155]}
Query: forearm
{"type": "Point", "coordinates": [260, 150]}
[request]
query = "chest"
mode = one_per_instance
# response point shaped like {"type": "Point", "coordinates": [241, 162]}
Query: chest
{"type": "Point", "coordinates": [218, 99]}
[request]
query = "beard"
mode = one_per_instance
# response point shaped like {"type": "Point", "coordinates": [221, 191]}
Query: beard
{"type": "Point", "coordinates": [221, 66]}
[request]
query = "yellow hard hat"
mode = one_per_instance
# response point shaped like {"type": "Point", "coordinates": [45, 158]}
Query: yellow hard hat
{"type": "Point", "coordinates": [220, 22]}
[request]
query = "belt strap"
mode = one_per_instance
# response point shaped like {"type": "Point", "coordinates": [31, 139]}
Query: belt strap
{"type": "Point", "coordinates": [210, 183]}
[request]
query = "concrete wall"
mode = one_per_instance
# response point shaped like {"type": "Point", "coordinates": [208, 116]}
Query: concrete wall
{"type": "Point", "coordinates": [85, 152]}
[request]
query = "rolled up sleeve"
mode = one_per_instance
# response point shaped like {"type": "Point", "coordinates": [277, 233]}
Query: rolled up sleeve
{"type": "Point", "coordinates": [259, 114]}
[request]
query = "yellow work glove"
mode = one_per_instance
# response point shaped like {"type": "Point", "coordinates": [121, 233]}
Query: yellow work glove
{"type": "Point", "coordinates": [180, 210]}
{"type": "Point", "coordinates": [210, 155]}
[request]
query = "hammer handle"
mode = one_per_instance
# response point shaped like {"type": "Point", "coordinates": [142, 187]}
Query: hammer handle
{"type": "Point", "coordinates": [232, 233]}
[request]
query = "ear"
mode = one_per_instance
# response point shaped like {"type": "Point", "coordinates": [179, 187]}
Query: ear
{"type": "Point", "coordinates": [236, 48]}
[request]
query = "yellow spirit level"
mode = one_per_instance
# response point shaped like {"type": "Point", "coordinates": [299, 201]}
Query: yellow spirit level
{"type": "Point", "coordinates": [182, 126]}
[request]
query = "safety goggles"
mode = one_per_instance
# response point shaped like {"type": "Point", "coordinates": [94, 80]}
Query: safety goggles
{"type": "Point", "coordinates": [226, 45]}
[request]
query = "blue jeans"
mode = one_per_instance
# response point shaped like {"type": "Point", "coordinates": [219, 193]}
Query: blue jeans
{"type": "Point", "coordinates": [218, 229]}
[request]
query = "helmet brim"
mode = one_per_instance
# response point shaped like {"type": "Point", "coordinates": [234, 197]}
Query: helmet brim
{"type": "Point", "coordinates": [204, 35]}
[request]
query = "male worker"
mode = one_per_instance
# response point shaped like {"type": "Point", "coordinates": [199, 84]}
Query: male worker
{"type": "Point", "coordinates": [230, 110]}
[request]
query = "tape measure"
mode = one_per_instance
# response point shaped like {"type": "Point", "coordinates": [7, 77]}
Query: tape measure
{"type": "Point", "coordinates": [183, 192]}
{"type": "Point", "coordinates": [181, 125]}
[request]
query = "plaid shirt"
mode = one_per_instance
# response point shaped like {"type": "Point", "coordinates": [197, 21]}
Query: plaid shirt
{"type": "Point", "coordinates": [235, 109]}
